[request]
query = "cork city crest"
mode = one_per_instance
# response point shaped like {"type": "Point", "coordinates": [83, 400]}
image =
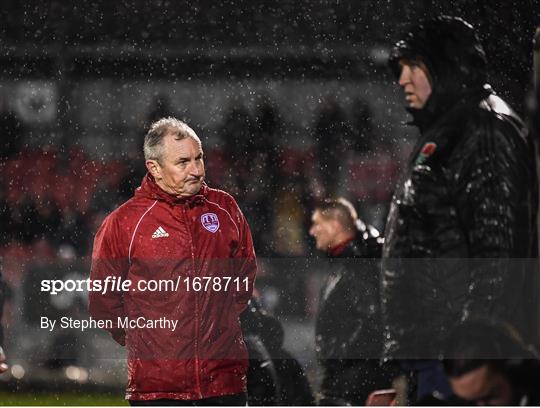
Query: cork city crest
{"type": "Point", "coordinates": [427, 150]}
{"type": "Point", "coordinates": [210, 221]}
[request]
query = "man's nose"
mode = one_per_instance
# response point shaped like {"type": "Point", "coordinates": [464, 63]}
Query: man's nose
{"type": "Point", "coordinates": [405, 76]}
{"type": "Point", "coordinates": [196, 169]}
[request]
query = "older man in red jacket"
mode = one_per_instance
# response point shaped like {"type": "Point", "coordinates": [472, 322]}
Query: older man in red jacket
{"type": "Point", "coordinates": [172, 269]}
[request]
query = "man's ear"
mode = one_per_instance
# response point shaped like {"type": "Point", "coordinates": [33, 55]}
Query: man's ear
{"type": "Point", "coordinates": [153, 168]}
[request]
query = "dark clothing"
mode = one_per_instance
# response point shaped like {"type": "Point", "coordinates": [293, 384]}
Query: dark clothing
{"type": "Point", "coordinates": [224, 401]}
{"type": "Point", "coordinates": [294, 389]}
{"type": "Point", "coordinates": [430, 376]}
{"type": "Point", "coordinates": [262, 379]}
{"type": "Point", "coordinates": [348, 327]}
{"type": "Point", "coordinates": [12, 134]}
{"type": "Point", "coordinates": [2, 298]}
{"type": "Point", "coordinates": [468, 191]}
{"type": "Point", "coordinates": [274, 377]}
{"type": "Point", "coordinates": [524, 380]}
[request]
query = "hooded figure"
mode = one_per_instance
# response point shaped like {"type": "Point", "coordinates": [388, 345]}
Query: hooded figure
{"type": "Point", "coordinates": [466, 203]}
{"type": "Point", "coordinates": [455, 60]}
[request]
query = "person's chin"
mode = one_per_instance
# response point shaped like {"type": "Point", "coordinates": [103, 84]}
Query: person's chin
{"type": "Point", "coordinates": [195, 186]}
{"type": "Point", "coordinates": [412, 103]}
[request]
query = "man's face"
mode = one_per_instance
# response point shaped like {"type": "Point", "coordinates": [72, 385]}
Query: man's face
{"type": "Point", "coordinates": [415, 83]}
{"type": "Point", "coordinates": [323, 229]}
{"type": "Point", "coordinates": [181, 169]}
{"type": "Point", "coordinates": [483, 386]}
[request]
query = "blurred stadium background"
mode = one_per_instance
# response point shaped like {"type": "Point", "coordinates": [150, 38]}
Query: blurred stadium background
{"type": "Point", "coordinates": [292, 100]}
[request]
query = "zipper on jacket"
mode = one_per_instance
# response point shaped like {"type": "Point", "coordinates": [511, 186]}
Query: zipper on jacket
{"type": "Point", "coordinates": [197, 362]}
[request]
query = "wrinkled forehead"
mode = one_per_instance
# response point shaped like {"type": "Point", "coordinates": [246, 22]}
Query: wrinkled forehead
{"type": "Point", "coordinates": [174, 143]}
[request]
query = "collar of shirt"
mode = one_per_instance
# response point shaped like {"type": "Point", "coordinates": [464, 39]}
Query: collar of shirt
{"type": "Point", "coordinates": [338, 249]}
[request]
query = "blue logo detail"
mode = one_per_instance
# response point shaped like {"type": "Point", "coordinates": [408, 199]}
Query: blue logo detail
{"type": "Point", "coordinates": [210, 221]}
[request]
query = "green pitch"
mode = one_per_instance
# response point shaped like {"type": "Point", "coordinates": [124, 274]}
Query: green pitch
{"type": "Point", "coordinates": [60, 398]}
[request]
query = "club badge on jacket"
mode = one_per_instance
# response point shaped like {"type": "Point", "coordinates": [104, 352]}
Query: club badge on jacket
{"type": "Point", "coordinates": [210, 221]}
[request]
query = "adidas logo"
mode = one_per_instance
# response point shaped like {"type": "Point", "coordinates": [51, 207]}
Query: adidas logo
{"type": "Point", "coordinates": [160, 233]}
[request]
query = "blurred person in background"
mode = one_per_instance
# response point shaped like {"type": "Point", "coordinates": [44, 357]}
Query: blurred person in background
{"type": "Point", "coordinates": [363, 130]}
{"type": "Point", "coordinates": [160, 107]}
{"type": "Point", "coordinates": [469, 191]}
{"type": "Point", "coordinates": [348, 329]}
{"type": "Point", "coordinates": [487, 363]}
{"type": "Point", "coordinates": [177, 226]}
{"type": "Point", "coordinates": [11, 129]}
{"type": "Point", "coordinates": [237, 131]}
{"type": "Point", "coordinates": [333, 137]}
{"type": "Point", "coordinates": [3, 365]}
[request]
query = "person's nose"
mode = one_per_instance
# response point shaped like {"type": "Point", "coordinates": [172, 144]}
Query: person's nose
{"type": "Point", "coordinates": [405, 76]}
{"type": "Point", "coordinates": [312, 231]}
{"type": "Point", "coordinates": [195, 169]}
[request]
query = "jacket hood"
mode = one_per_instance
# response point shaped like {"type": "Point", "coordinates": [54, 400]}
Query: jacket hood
{"type": "Point", "coordinates": [453, 55]}
{"type": "Point", "coordinates": [149, 189]}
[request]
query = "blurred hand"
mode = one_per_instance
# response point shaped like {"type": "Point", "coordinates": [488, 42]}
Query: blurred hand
{"type": "Point", "coordinates": [3, 365]}
{"type": "Point", "coordinates": [382, 398]}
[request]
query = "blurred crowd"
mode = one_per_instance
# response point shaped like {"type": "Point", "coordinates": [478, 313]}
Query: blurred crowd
{"type": "Point", "coordinates": [53, 197]}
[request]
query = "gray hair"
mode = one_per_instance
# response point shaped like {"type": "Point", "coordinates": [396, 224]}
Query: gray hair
{"type": "Point", "coordinates": [153, 141]}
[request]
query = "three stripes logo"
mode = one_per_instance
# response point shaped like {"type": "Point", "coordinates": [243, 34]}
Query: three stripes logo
{"type": "Point", "coordinates": [160, 233]}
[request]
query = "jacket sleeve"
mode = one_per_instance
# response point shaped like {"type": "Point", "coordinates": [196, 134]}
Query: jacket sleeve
{"type": "Point", "coordinates": [493, 193]}
{"type": "Point", "coordinates": [108, 260]}
{"type": "Point", "coordinates": [358, 330]}
{"type": "Point", "coordinates": [244, 260]}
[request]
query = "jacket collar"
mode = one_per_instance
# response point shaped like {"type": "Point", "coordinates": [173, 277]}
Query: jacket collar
{"type": "Point", "coordinates": [440, 103]}
{"type": "Point", "coordinates": [150, 189]}
{"type": "Point", "coordinates": [338, 250]}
